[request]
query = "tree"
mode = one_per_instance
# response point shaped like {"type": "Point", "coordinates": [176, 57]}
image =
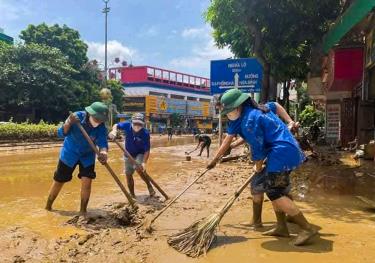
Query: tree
{"type": "Point", "coordinates": [84, 82]}
{"type": "Point", "coordinates": [309, 115]}
{"type": "Point", "coordinates": [279, 33]}
{"type": "Point", "coordinates": [176, 120]}
{"type": "Point", "coordinates": [117, 94]}
{"type": "Point", "coordinates": [303, 98]}
{"type": "Point", "coordinates": [39, 78]}
{"type": "Point", "coordinates": [64, 38]}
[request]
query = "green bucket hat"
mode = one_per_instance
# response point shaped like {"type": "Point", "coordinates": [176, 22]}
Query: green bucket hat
{"type": "Point", "coordinates": [232, 99]}
{"type": "Point", "coordinates": [98, 110]}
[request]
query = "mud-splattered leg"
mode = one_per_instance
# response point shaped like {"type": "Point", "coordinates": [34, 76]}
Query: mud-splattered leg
{"type": "Point", "coordinates": [53, 193]}
{"type": "Point", "coordinates": [85, 194]}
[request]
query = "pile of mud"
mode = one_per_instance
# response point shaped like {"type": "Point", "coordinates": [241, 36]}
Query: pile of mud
{"type": "Point", "coordinates": [117, 215]}
{"type": "Point", "coordinates": [113, 215]}
{"type": "Point", "coordinates": [113, 229]}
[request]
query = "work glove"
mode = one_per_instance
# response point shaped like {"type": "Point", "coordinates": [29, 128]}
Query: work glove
{"type": "Point", "coordinates": [103, 157]}
{"type": "Point", "coordinates": [112, 135]}
{"type": "Point", "coordinates": [212, 164]}
{"type": "Point", "coordinates": [72, 119]}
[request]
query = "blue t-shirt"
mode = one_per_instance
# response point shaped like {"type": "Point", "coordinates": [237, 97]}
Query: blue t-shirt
{"type": "Point", "coordinates": [269, 138]}
{"type": "Point", "coordinates": [75, 148]}
{"type": "Point", "coordinates": [135, 143]}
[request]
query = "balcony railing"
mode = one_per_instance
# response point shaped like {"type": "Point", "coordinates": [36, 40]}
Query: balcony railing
{"type": "Point", "coordinates": [171, 78]}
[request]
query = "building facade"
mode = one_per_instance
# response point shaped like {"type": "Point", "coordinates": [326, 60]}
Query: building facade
{"type": "Point", "coordinates": [167, 98]}
{"type": "Point", "coordinates": [346, 85]}
{"type": "Point", "coordinates": [5, 38]}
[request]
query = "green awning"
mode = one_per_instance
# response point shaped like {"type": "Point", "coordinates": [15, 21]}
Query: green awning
{"type": "Point", "coordinates": [352, 16]}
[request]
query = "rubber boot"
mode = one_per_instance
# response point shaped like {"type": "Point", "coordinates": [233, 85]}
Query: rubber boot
{"type": "Point", "coordinates": [256, 223]}
{"type": "Point", "coordinates": [281, 229]}
{"type": "Point", "coordinates": [289, 219]}
{"type": "Point", "coordinates": [151, 191]}
{"type": "Point", "coordinates": [307, 232]}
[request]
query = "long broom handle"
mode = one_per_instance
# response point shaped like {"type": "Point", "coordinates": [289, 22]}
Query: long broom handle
{"type": "Point", "coordinates": [140, 170]}
{"type": "Point", "coordinates": [178, 196]}
{"type": "Point", "coordinates": [191, 151]}
{"type": "Point", "coordinates": [236, 194]}
{"type": "Point", "coordinates": [93, 147]}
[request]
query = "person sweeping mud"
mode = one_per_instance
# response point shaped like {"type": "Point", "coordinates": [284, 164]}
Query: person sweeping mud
{"type": "Point", "coordinates": [137, 143]}
{"type": "Point", "coordinates": [204, 141]}
{"type": "Point", "coordinates": [77, 151]}
{"type": "Point", "coordinates": [269, 139]}
{"type": "Point", "coordinates": [258, 195]}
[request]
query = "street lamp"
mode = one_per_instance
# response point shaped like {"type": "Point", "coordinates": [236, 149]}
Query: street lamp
{"type": "Point", "coordinates": [105, 93]}
{"type": "Point", "coordinates": [105, 11]}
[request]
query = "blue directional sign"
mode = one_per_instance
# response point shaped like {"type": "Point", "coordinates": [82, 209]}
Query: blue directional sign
{"type": "Point", "coordinates": [244, 73]}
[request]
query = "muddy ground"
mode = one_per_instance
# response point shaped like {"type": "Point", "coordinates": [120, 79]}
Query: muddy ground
{"type": "Point", "coordinates": [334, 192]}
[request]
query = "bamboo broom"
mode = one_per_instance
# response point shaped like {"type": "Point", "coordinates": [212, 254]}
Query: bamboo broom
{"type": "Point", "coordinates": [197, 238]}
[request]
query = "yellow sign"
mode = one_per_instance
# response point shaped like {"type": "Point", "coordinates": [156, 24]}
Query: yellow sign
{"type": "Point", "coordinates": [151, 105]}
{"type": "Point", "coordinates": [163, 105]}
{"type": "Point", "coordinates": [204, 124]}
{"type": "Point", "coordinates": [206, 109]}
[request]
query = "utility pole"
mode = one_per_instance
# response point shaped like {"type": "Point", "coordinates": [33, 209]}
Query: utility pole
{"type": "Point", "coordinates": [106, 11]}
{"type": "Point", "coordinates": [105, 93]}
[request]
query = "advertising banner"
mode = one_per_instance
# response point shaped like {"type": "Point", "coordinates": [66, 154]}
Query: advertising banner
{"type": "Point", "coordinates": [134, 104]}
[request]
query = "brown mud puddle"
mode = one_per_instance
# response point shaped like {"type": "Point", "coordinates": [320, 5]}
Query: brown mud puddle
{"type": "Point", "coordinates": [326, 194]}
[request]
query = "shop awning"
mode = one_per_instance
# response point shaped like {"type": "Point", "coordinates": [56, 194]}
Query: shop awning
{"type": "Point", "coordinates": [352, 16]}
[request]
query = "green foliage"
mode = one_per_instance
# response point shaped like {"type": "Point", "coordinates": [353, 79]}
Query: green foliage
{"type": "Point", "coordinates": [28, 131]}
{"type": "Point", "coordinates": [309, 115]}
{"type": "Point", "coordinates": [64, 38]}
{"type": "Point", "coordinates": [35, 76]}
{"type": "Point", "coordinates": [302, 96]}
{"type": "Point", "coordinates": [280, 33]}
{"type": "Point", "coordinates": [117, 94]}
{"type": "Point", "coordinates": [48, 75]}
{"type": "Point", "coordinates": [84, 82]}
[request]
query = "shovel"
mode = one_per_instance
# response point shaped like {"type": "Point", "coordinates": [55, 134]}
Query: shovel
{"type": "Point", "coordinates": [140, 170]}
{"type": "Point", "coordinates": [187, 153]}
{"type": "Point", "coordinates": [93, 147]}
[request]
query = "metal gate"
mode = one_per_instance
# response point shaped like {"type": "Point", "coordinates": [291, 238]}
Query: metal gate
{"type": "Point", "coordinates": [347, 121]}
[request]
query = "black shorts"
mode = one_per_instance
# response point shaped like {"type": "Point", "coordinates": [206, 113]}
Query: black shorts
{"type": "Point", "coordinates": [64, 173]}
{"type": "Point", "coordinates": [275, 185]}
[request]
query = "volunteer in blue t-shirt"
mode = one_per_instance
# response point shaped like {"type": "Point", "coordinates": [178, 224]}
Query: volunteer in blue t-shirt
{"type": "Point", "coordinates": [137, 143]}
{"type": "Point", "coordinates": [77, 151]}
{"type": "Point", "coordinates": [269, 139]}
{"type": "Point", "coordinates": [257, 191]}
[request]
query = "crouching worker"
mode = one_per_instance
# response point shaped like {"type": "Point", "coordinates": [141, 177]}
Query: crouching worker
{"type": "Point", "coordinates": [77, 151]}
{"type": "Point", "coordinates": [137, 143]}
{"type": "Point", "coordinates": [204, 141]}
{"type": "Point", "coordinates": [269, 138]}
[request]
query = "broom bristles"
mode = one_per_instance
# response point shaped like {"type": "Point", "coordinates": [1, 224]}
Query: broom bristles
{"type": "Point", "coordinates": [196, 239]}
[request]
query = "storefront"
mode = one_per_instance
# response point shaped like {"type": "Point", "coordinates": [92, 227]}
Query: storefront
{"type": "Point", "coordinates": [161, 112]}
{"type": "Point", "coordinates": [366, 113]}
{"type": "Point", "coordinates": [343, 71]}
{"type": "Point", "coordinates": [349, 76]}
